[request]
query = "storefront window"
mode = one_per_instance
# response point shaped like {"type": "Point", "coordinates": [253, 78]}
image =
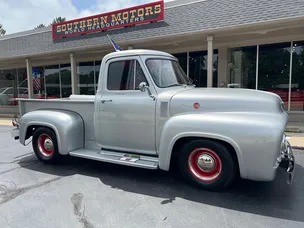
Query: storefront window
{"type": "Point", "coordinates": [242, 67]}
{"type": "Point", "coordinates": [85, 72]}
{"type": "Point", "coordinates": [97, 69]}
{"type": "Point", "coordinates": [22, 78]}
{"type": "Point", "coordinates": [66, 82]}
{"type": "Point", "coordinates": [198, 68]}
{"type": "Point", "coordinates": [8, 87]}
{"type": "Point", "coordinates": [182, 59]}
{"type": "Point", "coordinates": [274, 68]}
{"type": "Point", "coordinates": [215, 68]}
{"type": "Point", "coordinates": [297, 82]}
{"type": "Point", "coordinates": [52, 82]}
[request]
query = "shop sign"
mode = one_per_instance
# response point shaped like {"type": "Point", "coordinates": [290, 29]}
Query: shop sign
{"type": "Point", "coordinates": [141, 14]}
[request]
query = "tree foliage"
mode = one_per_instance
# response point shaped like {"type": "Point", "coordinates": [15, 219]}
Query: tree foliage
{"type": "Point", "coordinates": [55, 20]}
{"type": "Point", "coordinates": [40, 26]}
{"type": "Point", "coordinates": [2, 30]}
{"type": "Point", "coordinates": [58, 19]}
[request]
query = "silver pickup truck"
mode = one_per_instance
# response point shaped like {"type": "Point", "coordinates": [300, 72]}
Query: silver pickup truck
{"type": "Point", "coordinates": [147, 113]}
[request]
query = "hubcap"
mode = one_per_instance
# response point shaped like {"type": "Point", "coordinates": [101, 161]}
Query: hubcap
{"type": "Point", "coordinates": [48, 144]}
{"type": "Point", "coordinates": [204, 164]}
{"type": "Point", "coordinates": [45, 145]}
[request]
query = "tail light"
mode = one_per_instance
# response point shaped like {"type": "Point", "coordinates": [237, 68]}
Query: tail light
{"type": "Point", "coordinates": [15, 123]}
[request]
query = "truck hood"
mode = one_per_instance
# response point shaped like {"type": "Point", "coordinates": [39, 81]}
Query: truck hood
{"type": "Point", "coordinates": [224, 100]}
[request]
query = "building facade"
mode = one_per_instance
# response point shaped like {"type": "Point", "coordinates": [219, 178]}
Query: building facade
{"type": "Point", "coordinates": [219, 43]}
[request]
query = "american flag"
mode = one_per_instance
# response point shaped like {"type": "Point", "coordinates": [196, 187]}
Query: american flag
{"type": "Point", "coordinates": [115, 45]}
{"type": "Point", "coordinates": [36, 80]}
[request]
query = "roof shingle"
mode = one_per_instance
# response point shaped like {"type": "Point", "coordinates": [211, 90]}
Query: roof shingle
{"type": "Point", "coordinates": [182, 18]}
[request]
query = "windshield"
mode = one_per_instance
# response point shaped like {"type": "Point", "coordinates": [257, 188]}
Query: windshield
{"type": "Point", "coordinates": [166, 73]}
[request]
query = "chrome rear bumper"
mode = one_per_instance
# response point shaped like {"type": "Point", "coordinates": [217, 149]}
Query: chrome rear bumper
{"type": "Point", "coordinates": [15, 131]}
{"type": "Point", "coordinates": [287, 160]}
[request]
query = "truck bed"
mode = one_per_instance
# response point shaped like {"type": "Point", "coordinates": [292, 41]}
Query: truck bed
{"type": "Point", "coordinates": [81, 104]}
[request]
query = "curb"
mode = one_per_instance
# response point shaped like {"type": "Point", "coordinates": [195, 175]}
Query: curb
{"type": "Point", "coordinates": [297, 147]}
{"type": "Point", "coordinates": [293, 130]}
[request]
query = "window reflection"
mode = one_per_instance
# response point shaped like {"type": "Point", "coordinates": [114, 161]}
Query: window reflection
{"type": "Point", "coordinates": [297, 82]}
{"type": "Point", "coordinates": [8, 87]}
{"type": "Point", "coordinates": [182, 60]}
{"type": "Point", "coordinates": [274, 68]}
{"type": "Point", "coordinates": [52, 82]}
{"type": "Point", "coordinates": [85, 72]}
{"type": "Point", "coordinates": [97, 69]}
{"type": "Point", "coordinates": [198, 68]}
{"type": "Point", "coordinates": [242, 67]}
{"type": "Point", "coordinates": [198, 64]}
{"type": "Point", "coordinates": [66, 82]}
{"type": "Point", "coordinates": [22, 78]}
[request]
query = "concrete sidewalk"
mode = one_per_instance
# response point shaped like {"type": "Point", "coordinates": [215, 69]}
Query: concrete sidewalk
{"type": "Point", "coordinates": [6, 121]}
{"type": "Point", "coordinates": [296, 140]}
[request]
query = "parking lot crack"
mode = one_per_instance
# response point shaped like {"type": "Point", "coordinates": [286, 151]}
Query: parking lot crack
{"type": "Point", "coordinates": [12, 169]}
{"type": "Point", "coordinates": [7, 194]}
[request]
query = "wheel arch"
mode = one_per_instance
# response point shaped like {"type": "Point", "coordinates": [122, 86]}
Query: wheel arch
{"type": "Point", "coordinates": [167, 159]}
{"type": "Point", "coordinates": [184, 140]}
{"type": "Point", "coordinates": [68, 127]}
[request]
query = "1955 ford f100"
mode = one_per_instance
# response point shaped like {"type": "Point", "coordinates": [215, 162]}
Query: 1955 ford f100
{"type": "Point", "coordinates": [147, 113]}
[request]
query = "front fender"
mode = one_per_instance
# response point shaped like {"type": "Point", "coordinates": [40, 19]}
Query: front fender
{"type": "Point", "coordinates": [255, 138]}
{"type": "Point", "coordinates": [68, 127]}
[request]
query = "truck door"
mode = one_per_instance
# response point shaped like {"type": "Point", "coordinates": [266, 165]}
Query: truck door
{"type": "Point", "coordinates": [127, 115]}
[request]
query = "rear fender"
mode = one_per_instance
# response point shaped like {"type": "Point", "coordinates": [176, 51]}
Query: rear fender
{"type": "Point", "coordinates": [67, 125]}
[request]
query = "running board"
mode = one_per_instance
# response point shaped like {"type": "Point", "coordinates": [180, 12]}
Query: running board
{"type": "Point", "coordinates": [117, 158]}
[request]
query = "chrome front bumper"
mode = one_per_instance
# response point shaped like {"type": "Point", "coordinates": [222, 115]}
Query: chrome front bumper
{"type": "Point", "coordinates": [286, 159]}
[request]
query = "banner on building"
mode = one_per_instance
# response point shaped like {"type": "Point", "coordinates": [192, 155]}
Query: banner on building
{"type": "Point", "coordinates": [141, 14]}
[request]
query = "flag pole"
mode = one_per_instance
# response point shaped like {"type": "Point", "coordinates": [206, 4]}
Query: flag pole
{"type": "Point", "coordinates": [115, 46]}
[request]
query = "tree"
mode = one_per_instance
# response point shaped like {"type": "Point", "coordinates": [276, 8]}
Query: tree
{"type": "Point", "coordinates": [55, 20]}
{"type": "Point", "coordinates": [40, 26]}
{"type": "Point", "coordinates": [2, 30]}
{"type": "Point", "coordinates": [58, 19]}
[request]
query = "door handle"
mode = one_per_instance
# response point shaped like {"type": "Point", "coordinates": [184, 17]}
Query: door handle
{"type": "Point", "coordinates": [103, 101]}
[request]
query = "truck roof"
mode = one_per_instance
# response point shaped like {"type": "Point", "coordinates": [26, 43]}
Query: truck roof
{"type": "Point", "coordinates": [136, 52]}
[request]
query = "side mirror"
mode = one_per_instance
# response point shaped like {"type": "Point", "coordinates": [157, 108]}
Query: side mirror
{"type": "Point", "coordinates": [143, 86]}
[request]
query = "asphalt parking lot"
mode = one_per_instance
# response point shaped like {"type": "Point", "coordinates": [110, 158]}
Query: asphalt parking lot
{"type": "Point", "coordinates": [89, 194]}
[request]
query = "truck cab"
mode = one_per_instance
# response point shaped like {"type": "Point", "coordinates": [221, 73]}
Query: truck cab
{"type": "Point", "coordinates": [148, 114]}
{"type": "Point", "coordinates": [128, 104]}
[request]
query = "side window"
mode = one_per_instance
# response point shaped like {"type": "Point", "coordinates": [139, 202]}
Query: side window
{"type": "Point", "coordinates": [120, 75]}
{"type": "Point", "coordinates": [125, 75]}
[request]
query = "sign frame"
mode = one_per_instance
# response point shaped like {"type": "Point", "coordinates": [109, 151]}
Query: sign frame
{"type": "Point", "coordinates": [159, 18]}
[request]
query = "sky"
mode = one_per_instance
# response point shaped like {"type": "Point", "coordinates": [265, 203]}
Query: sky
{"type": "Point", "coordinates": [21, 15]}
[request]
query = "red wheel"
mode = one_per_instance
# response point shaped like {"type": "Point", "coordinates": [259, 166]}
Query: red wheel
{"type": "Point", "coordinates": [45, 145]}
{"type": "Point", "coordinates": [207, 163]}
